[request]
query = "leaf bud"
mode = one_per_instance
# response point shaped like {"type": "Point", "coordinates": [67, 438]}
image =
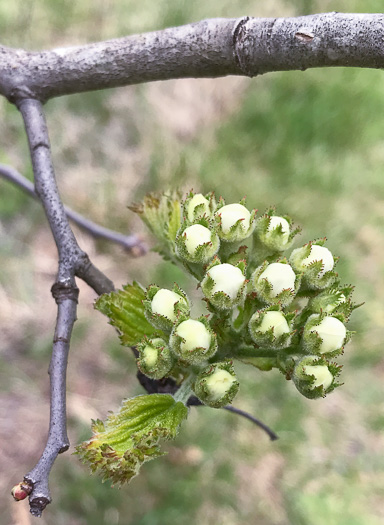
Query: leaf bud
{"type": "Point", "coordinates": [275, 283]}
{"type": "Point", "coordinates": [217, 385]}
{"type": "Point", "coordinates": [324, 334]}
{"type": "Point", "coordinates": [162, 306]}
{"type": "Point", "coordinates": [197, 243]}
{"type": "Point", "coordinates": [224, 284]}
{"type": "Point", "coordinates": [270, 328]}
{"type": "Point", "coordinates": [235, 222]}
{"type": "Point", "coordinates": [155, 358]}
{"type": "Point", "coordinates": [316, 263]}
{"type": "Point", "coordinates": [314, 377]}
{"type": "Point", "coordinates": [21, 491]}
{"type": "Point", "coordinates": [193, 341]}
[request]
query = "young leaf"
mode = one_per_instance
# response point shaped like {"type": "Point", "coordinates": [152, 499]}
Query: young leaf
{"type": "Point", "coordinates": [131, 437]}
{"type": "Point", "coordinates": [125, 310]}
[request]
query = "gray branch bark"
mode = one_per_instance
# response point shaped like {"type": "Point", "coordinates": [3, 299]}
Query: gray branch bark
{"type": "Point", "coordinates": [211, 48]}
{"type": "Point", "coordinates": [72, 261]}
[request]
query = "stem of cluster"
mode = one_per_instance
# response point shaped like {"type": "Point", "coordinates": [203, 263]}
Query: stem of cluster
{"type": "Point", "coordinates": [185, 391]}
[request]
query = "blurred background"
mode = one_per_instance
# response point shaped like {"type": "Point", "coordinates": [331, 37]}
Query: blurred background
{"type": "Point", "coordinates": [310, 143]}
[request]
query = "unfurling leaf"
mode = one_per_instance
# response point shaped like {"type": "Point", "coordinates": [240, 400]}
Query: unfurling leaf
{"type": "Point", "coordinates": [131, 437]}
{"type": "Point", "coordinates": [125, 310]}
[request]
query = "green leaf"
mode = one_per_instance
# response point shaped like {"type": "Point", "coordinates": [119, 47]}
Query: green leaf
{"type": "Point", "coordinates": [125, 310]}
{"type": "Point", "coordinates": [131, 437]}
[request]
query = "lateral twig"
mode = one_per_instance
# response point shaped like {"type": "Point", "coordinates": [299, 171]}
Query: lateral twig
{"type": "Point", "coordinates": [131, 243]}
{"type": "Point", "coordinates": [72, 261]}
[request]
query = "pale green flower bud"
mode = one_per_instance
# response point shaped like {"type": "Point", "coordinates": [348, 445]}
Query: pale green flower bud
{"type": "Point", "coordinates": [324, 335]}
{"type": "Point", "coordinates": [235, 222]}
{"type": "Point", "coordinates": [271, 328]}
{"type": "Point", "coordinates": [197, 243]}
{"type": "Point", "coordinates": [281, 224]}
{"type": "Point", "coordinates": [196, 207]}
{"type": "Point", "coordinates": [217, 385]}
{"type": "Point", "coordinates": [275, 282]}
{"type": "Point", "coordinates": [162, 306]}
{"type": "Point", "coordinates": [320, 253]}
{"type": "Point", "coordinates": [155, 358]}
{"type": "Point", "coordinates": [223, 285]}
{"type": "Point", "coordinates": [316, 263]}
{"type": "Point", "coordinates": [193, 341]}
{"type": "Point", "coordinates": [314, 377]}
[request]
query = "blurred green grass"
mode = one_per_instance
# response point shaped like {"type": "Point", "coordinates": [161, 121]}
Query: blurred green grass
{"type": "Point", "coordinates": [309, 143]}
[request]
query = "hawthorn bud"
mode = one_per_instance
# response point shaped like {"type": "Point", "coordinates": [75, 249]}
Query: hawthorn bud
{"type": "Point", "coordinates": [197, 206]}
{"type": "Point", "coordinates": [162, 306]}
{"type": "Point", "coordinates": [324, 334]}
{"type": "Point", "coordinates": [235, 222]}
{"type": "Point", "coordinates": [217, 385]}
{"type": "Point", "coordinates": [193, 341]}
{"type": "Point", "coordinates": [316, 263]}
{"type": "Point", "coordinates": [329, 301]}
{"type": "Point", "coordinates": [197, 243]}
{"type": "Point", "coordinates": [224, 285]}
{"type": "Point", "coordinates": [271, 328]}
{"type": "Point", "coordinates": [314, 377]}
{"type": "Point", "coordinates": [275, 283]}
{"type": "Point", "coordinates": [155, 358]}
{"type": "Point", "coordinates": [274, 232]}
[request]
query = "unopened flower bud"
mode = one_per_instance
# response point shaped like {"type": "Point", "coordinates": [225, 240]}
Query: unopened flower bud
{"type": "Point", "coordinates": [193, 341]}
{"type": "Point", "coordinates": [196, 206]}
{"type": "Point", "coordinates": [235, 222]}
{"type": "Point", "coordinates": [197, 243]}
{"type": "Point", "coordinates": [314, 377]}
{"type": "Point", "coordinates": [223, 285]}
{"type": "Point", "coordinates": [155, 358]}
{"type": "Point", "coordinates": [270, 329]}
{"type": "Point", "coordinates": [162, 306]}
{"type": "Point", "coordinates": [316, 263]}
{"type": "Point", "coordinates": [217, 385]}
{"type": "Point", "coordinates": [275, 282]}
{"type": "Point", "coordinates": [324, 335]}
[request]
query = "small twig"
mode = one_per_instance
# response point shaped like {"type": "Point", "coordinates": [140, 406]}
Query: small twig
{"type": "Point", "coordinates": [257, 422]}
{"type": "Point", "coordinates": [72, 261]}
{"type": "Point", "coordinates": [131, 243]}
{"type": "Point", "coordinates": [194, 401]}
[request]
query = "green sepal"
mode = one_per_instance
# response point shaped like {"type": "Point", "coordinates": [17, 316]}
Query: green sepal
{"type": "Point", "coordinates": [221, 300]}
{"type": "Point", "coordinates": [336, 300]}
{"type": "Point", "coordinates": [125, 310]}
{"type": "Point", "coordinates": [203, 252]}
{"type": "Point", "coordinates": [220, 392]}
{"type": "Point", "coordinates": [312, 341]}
{"type": "Point", "coordinates": [303, 381]}
{"type": "Point", "coordinates": [274, 240]}
{"type": "Point", "coordinates": [160, 321]}
{"type": "Point", "coordinates": [264, 288]}
{"type": "Point", "coordinates": [236, 232]}
{"type": "Point", "coordinates": [199, 210]}
{"type": "Point", "coordinates": [311, 280]}
{"type": "Point", "coordinates": [131, 437]}
{"type": "Point", "coordinates": [155, 358]}
{"type": "Point", "coordinates": [268, 339]}
{"type": "Point", "coordinates": [197, 355]}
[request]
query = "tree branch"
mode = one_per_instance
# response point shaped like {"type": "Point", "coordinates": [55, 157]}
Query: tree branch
{"type": "Point", "coordinates": [72, 261]}
{"type": "Point", "coordinates": [131, 243]}
{"type": "Point", "coordinates": [210, 48]}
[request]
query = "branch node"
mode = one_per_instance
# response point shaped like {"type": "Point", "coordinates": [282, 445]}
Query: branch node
{"type": "Point", "coordinates": [239, 36]}
{"type": "Point", "coordinates": [62, 291]}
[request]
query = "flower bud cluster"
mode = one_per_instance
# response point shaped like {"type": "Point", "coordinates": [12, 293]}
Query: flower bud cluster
{"type": "Point", "coordinates": [266, 307]}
